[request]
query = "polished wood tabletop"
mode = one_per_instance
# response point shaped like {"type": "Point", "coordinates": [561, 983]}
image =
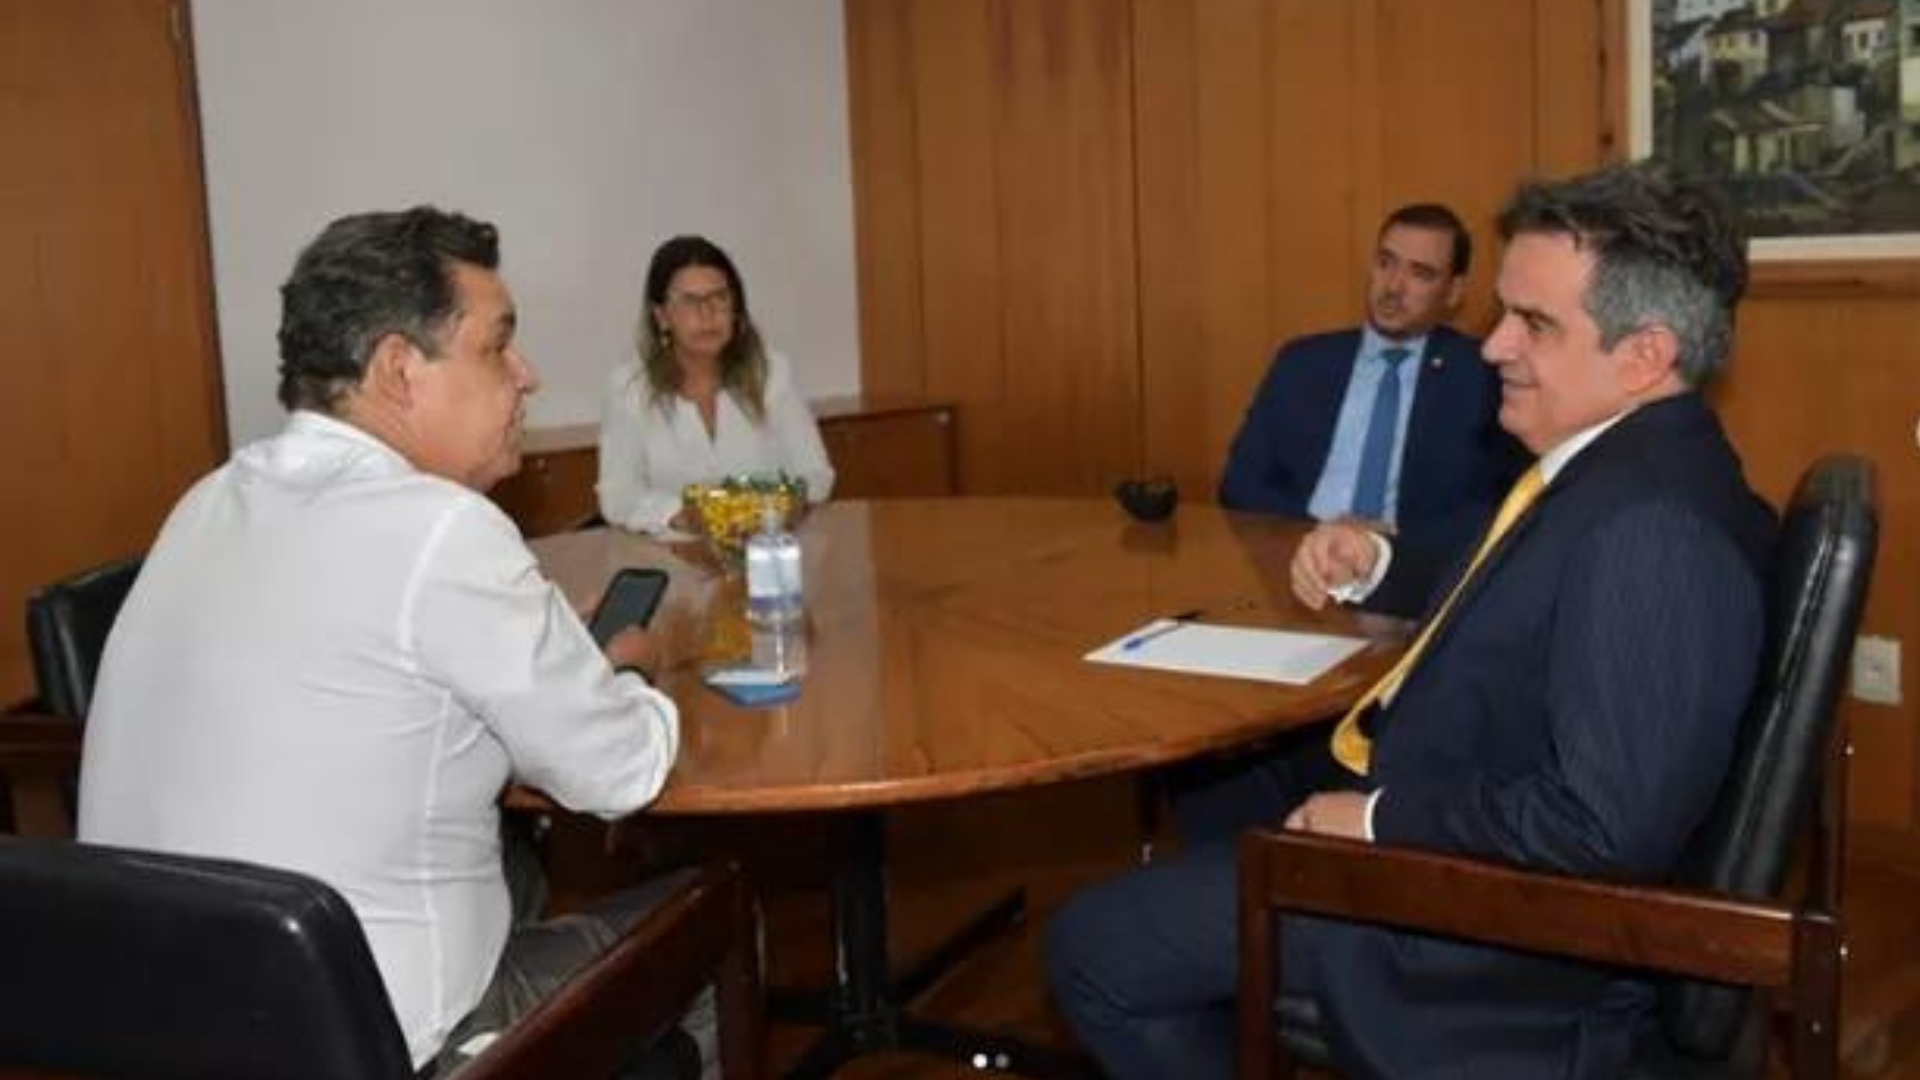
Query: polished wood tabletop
{"type": "Point", "coordinates": [943, 648]}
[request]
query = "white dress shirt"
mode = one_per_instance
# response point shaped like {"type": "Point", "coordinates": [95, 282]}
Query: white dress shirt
{"type": "Point", "coordinates": [648, 453]}
{"type": "Point", "coordinates": [332, 663]}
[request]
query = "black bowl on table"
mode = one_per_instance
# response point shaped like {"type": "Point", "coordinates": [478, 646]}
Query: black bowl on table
{"type": "Point", "coordinates": [1148, 500]}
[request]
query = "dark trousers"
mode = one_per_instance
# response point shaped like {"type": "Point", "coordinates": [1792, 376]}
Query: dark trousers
{"type": "Point", "coordinates": [540, 957]}
{"type": "Point", "coordinates": [1144, 967]}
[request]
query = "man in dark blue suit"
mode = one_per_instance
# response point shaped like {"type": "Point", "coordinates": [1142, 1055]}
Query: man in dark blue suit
{"type": "Point", "coordinates": [1390, 422]}
{"type": "Point", "coordinates": [1571, 704]}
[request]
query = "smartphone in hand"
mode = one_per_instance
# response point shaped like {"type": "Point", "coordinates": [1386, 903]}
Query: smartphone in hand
{"type": "Point", "coordinates": [630, 600]}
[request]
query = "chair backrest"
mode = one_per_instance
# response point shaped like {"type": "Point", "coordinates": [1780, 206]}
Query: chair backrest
{"type": "Point", "coordinates": [1821, 569]}
{"type": "Point", "coordinates": [142, 965]}
{"type": "Point", "coordinates": [67, 626]}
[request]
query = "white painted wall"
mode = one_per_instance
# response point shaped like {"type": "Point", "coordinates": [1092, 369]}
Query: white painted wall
{"type": "Point", "coordinates": [587, 130]}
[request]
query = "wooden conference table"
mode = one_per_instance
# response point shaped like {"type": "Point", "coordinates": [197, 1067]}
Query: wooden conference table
{"type": "Point", "coordinates": [943, 650]}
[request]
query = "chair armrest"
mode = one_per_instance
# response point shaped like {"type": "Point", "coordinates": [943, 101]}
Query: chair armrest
{"type": "Point", "coordinates": [1685, 932]}
{"type": "Point", "coordinates": [633, 993]}
{"type": "Point", "coordinates": [39, 760]}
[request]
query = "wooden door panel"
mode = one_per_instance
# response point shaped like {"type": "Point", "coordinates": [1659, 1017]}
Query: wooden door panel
{"type": "Point", "coordinates": [104, 289]}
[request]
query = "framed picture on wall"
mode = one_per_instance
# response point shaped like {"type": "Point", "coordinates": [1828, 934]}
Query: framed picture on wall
{"type": "Point", "coordinates": [1806, 112]}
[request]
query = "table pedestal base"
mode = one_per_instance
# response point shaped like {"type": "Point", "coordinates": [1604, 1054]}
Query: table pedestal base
{"type": "Point", "coordinates": [865, 1010]}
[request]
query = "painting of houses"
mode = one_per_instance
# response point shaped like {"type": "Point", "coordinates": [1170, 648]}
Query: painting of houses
{"type": "Point", "coordinates": [1806, 111]}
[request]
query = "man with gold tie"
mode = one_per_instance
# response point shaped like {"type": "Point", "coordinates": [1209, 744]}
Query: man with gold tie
{"type": "Point", "coordinates": [1570, 702]}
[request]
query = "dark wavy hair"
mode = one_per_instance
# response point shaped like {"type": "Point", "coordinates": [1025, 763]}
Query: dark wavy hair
{"type": "Point", "coordinates": [1666, 252]}
{"type": "Point", "coordinates": [743, 361]}
{"type": "Point", "coordinates": [1440, 219]}
{"type": "Point", "coordinates": [364, 277]}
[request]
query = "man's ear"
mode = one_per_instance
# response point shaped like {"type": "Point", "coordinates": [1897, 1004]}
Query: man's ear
{"type": "Point", "coordinates": [1456, 293]}
{"type": "Point", "coordinates": [391, 370]}
{"type": "Point", "coordinates": [1649, 356]}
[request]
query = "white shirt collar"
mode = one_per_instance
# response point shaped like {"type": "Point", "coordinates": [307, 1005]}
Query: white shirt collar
{"type": "Point", "coordinates": [1557, 458]}
{"type": "Point", "coordinates": [309, 422]}
{"type": "Point", "coordinates": [1373, 343]}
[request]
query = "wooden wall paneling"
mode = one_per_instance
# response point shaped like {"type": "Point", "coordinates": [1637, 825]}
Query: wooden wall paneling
{"type": "Point", "coordinates": [1245, 195]}
{"type": "Point", "coordinates": [1311, 178]}
{"type": "Point", "coordinates": [104, 282]}
{"type": "Point", "coordinates": [1023, 143]}
{"type": "Point", "coordinates": [961, 340]}
{"type": "Point", "coordinates": [1173, 277]}
{"type": "Point", "coordinates": [1569, 86]}
{"type": "Point", "coordinates": [1610, 51]}
{"type": "Point", "coordinates": [886, 183]}
{"type": "Point", "coordinates": [1320, 185]}
{"type": "Point", "coordinates": [1316, 146]}
{"type": "Point", "coordinates": [1369, 150]}
{"type": "Point", "coordinates": [1455, 120]}
{"type": "Point", "coordinates": [1068, 414]}
{"type": "Point", "coordinates": [1814, 375]}
{"type": "Point", "coordinates": [1203, 106]}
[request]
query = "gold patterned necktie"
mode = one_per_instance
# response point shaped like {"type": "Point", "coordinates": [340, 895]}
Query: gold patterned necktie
{"type": "Point", "coordinates": [1352, 747]}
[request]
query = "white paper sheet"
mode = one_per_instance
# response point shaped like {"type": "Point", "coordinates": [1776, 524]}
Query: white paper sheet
{"type": "Point", "coordinates": [1238, 652]}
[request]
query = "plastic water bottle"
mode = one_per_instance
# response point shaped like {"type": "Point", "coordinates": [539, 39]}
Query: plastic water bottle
{"type": "Point", "coordinates": [780, 649]}
{"type": "Point", "coordinates": [774, 596]}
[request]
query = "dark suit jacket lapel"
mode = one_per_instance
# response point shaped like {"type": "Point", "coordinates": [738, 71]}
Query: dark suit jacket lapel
{"type": "Point", "coordinates": [1670, 415]}
{"type": "Point", "coordinates": [1431, 404]}
{"type": "Point", "coordinates": [1330, 374]}
{"type": "Point", "coordinates": [1491, 566]}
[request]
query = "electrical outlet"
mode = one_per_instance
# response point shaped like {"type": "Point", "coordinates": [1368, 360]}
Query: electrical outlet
{"type": "Point", "coordinates": [1876, 669]}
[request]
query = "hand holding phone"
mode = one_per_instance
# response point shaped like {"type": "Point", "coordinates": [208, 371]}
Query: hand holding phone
{"type": "Point", "coordinates": [636, 650]}
{"type": "Point", "coordinates": [630, 600]}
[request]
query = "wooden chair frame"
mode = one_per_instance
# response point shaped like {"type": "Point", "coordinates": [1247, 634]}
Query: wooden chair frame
{"type": "Point", "coordinates": [1792, 950]}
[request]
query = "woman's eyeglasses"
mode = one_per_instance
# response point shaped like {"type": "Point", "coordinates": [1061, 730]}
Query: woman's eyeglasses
{"type": "Point", "coordinates": [720, 301]}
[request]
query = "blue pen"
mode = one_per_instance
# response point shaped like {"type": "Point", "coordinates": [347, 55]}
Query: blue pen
{"type": "Point", "coordinates": [1179, 620]}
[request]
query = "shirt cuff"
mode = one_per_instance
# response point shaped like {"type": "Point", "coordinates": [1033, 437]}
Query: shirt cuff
{"type": "Point", "coordinates": [1366, 819]}
{"type": "Point", "coordinates": [1360, 588]}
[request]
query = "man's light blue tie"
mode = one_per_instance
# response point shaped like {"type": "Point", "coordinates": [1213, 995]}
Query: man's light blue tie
{"type": "Point", "coordinates": [1376, 453]}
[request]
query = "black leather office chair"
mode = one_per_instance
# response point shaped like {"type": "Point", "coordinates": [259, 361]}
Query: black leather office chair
{"type": "Point", "coordinates": [1721, 924]}
{"type": "Point", "coordinates": [144, 966]}
{"type": "Point", "coordinates": [67, 626]}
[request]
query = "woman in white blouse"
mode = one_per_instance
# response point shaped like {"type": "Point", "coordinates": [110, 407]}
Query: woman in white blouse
{"type": "Point", "coordinates": [702, 399]}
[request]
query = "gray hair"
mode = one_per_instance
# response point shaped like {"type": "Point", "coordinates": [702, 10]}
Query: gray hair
{"type": "Point", "coordinates": [364, 277]}
{"type": "Point", "coordinates": [1666, 253]}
